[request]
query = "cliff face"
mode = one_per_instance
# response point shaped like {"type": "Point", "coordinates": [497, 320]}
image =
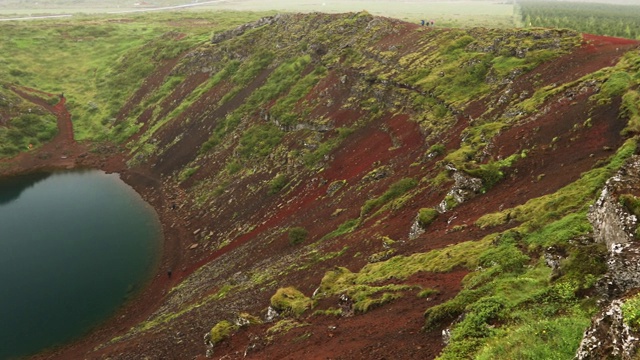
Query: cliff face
{"type": "Point", "coordinates": [349, 186]}
{"type": "Point", "coordinates": [615, 225]}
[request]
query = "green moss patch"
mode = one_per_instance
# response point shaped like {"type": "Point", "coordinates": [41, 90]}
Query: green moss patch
{"type": "Point", "coordinates": [290, 301]}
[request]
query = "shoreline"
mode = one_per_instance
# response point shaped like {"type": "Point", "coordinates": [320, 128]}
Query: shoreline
{"type": "Point", "coordinates": [64, 153]}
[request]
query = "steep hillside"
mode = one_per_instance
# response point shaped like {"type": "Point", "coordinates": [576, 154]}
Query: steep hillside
{"type": "Point", "coordinates": [349, 186]}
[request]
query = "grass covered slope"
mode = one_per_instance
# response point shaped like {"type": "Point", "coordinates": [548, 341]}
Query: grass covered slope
{"type": "Point", "coordinates": [23, 125]}
{"type": "Point", "coordinates": [351, 129]}
{"type": "Point", "coordinates": [373, 181]}
{"type": "Point", "coordinates": [97, 61]}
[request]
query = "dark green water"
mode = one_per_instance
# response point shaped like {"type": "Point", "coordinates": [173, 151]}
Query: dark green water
{"type": "Point", "coordinates": [74, 246]}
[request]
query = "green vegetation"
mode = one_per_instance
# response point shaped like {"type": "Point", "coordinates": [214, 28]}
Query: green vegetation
{"type": "Point", "coordinates": [631, 312]}
{"type": "Point", "coordinates": [632, 203]}
{"type": "Point", "coordinates": [594, 18]}
{"type": "Point", "coordinates": [504, 289]}
{"type": "Point", "coordinates": [187, 172]}
{"type": "Point", "coordinates": [290, 301]}
{"type": "Point", "coordinates": [395, 191]}
{"type": "Point", "coordinates": [26, 132]}
{"type": "Point", "coordinates": [426, 216]}
{"type": "Point", "coordinates": [264, 96]}
{"type": "Point", "coordinates": [284, 326]}
{"type": "Point", "coordinates": [545, 339]}
{"type": "Point", "coordinates": [259, 141]}
{"type": "Point", "coordinates": [297, 235]}
{"type": "Point", "coordinates": [312, 158]}
{"type": "Point", "coordinates": [617, 84]}
{"type": "Point", "coordinates": [277, 184]}
{"type": "Point", "coordinates": [221, 331]}
{"type": "Point", "coordinates": [631, 109]}
{"type": "Point", "coordinates": [367, 287]}
{"type": "Point", "coordinates": [344, 228]}
{"type": "Point", "coordinates": [365, 297]}
{"type": "Point", "coordinates": [98, 61]}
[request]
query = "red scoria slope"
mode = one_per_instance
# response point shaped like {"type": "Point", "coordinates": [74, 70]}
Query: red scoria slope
{"type": "Point", "coordinates": [239, 241]}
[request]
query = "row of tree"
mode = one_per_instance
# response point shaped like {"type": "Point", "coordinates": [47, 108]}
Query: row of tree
{"type": "Point", "coordinates": [593, 18]}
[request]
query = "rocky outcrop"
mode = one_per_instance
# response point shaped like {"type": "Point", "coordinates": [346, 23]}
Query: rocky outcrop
{"type": "Point", "coordinates": [238, 31]}
{"type": "Point", "coordinates": [612, 224]}
{"type": "Point", "coordinates": [608, 336]}
{"type": "Point", "coordinates": [464, 188]}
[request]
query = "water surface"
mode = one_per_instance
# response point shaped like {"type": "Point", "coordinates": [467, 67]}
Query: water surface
{"type": "Point", "coordinates": [73, 247]}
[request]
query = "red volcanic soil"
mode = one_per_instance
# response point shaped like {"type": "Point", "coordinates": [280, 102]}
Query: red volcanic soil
{"type": "Point", "coordinates": [392, 331]}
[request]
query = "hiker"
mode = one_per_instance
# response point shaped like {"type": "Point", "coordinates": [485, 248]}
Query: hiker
{"type": "Point", "coordinates": [169, 273]}
{"type": "Point", "coordinates": [422, 22]}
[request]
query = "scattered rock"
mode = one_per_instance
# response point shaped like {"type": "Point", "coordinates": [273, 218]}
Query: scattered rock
{"type": "Point", "coordinates": [271, 315]}
{"type": "Point", "coordinates": [608, 337]}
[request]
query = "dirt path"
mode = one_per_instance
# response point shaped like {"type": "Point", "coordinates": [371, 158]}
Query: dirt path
{"type": "Point", "coordinates": [62, 152]}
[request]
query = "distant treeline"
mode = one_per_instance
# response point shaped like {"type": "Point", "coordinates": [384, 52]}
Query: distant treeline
{"type": "Point", "coordinates": [600, 19]}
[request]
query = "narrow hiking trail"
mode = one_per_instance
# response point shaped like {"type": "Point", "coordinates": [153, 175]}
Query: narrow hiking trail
{"type": "Point", "coordinates": [65, 126]}
{"type": "Point", "coordinates": [61, 152]}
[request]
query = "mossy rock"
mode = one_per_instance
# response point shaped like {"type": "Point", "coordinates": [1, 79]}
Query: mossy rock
{"type": "Point", "coordinates": [221, 331]}
{"type": "Point", "coordinates": [246, 319]}
{"type": "Point", "coordinates": [290, 301]}
{"type": "Point", "coordinates": [426, 216]}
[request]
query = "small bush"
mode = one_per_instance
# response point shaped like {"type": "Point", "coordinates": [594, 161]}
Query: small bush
{"type": "Point", "coordinates": [631, 312]}
{"type": "Point", "coordinates": [290, 301]}
{"type": "Point", "coordinates": [436, 150]}
{"type": "Point", "coordinates": [632, 203]}
{"type": "Point", "coordinates": [233, 167]}
{"type": "Point", "coordinates": [297, 235]}
{"type": "Point", "coordinates": [489, 173]}
{"type": "Point", "coordinates": [277, 183]}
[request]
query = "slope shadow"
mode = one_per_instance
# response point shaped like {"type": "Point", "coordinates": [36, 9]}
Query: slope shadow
{"type": "Point", "coordinates": [11, 188]}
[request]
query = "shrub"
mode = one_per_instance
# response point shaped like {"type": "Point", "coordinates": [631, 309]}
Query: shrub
{"type": "Point", "coordinates": [277, 183]}
{"type": "Point", "coordinates": [297, 235]}
{"type": "Point", "coordinates": [632, 203]}
{"type": "Point", "coordinates": [489, 173]}
{"type": "Point", "coordinates": [233, 167]}
{"type": "Point", "coordinates": [436, 150]}
{"type": "Point", "coordinates": [631, 312]}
